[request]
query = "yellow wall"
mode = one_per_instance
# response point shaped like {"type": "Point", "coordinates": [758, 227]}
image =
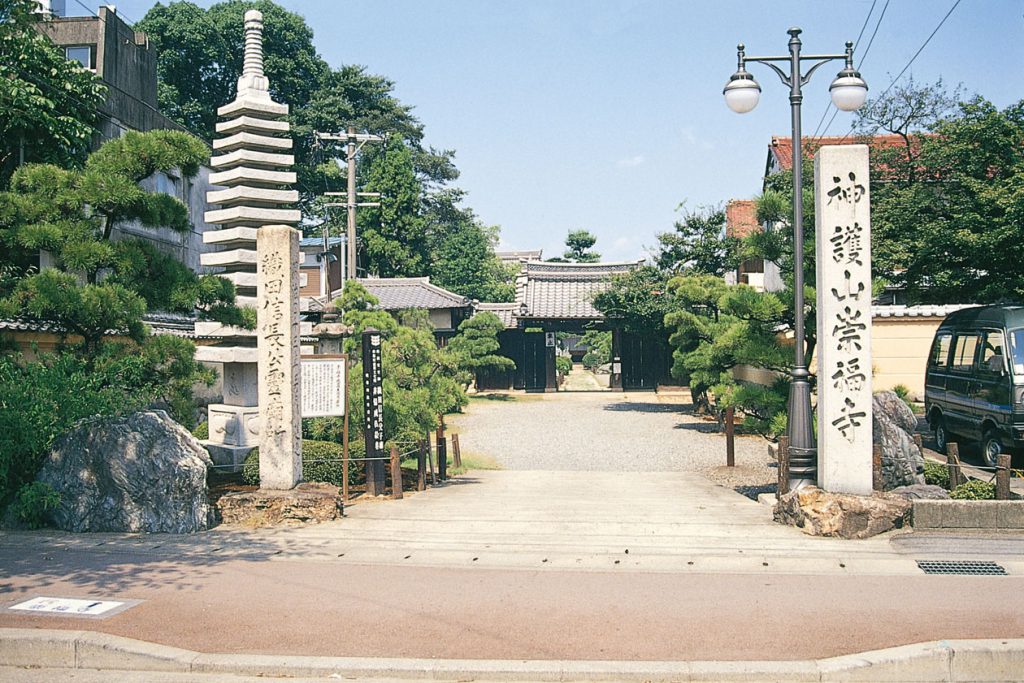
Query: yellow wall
{"type": "Point", "coordinates": [899, 352]}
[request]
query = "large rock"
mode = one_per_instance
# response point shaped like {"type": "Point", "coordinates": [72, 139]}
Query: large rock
{"type": "Point", "coordinates": [306, 503]}
{"type": "Point", "coordinates": [921, 492]}
{"type": "Point", "coordinates": [820, 513]}
{"type": "Point", "coordinates": [137, 472]}
{"type": "Point", "coordinates": [893, 426]}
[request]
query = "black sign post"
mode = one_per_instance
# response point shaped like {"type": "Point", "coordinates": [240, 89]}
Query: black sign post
{"type": "Point", "coordinates": [373, 409]}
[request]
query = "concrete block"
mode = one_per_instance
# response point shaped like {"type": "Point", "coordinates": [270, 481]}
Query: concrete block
{"type": "Point", "coordinates": [1011, 514]}
{"type": "Point", "coordinates": [237, 176]}
{"type": "Point", "coordinates": [250, 123]}
{"type": "Point", "coordinates": [970, 514]}
{"type": "Point", "coordinates": [227, 354]}
{"type": "Point", "coordinates": [102, 651]}
{"type": "Point", "coordinates": [245, 193]}
{"type": "Point", "coordinates": [230, 257]}
{"type": "Point", "coordinates": [252, 141]}
{"type": "Point", "coordinates": [928, 514]}
{"type": "Point", "coordinates": [31, 647]}
{"type": "Point", "coordinates": [906, 664]}
{"type": "Point", "coordinates": [240, 236]}
{"type": "Point", "coordinates": [244, 106]}
{"type": "Point", "coordinates": [234, 425]}
{"type": "Point", "coordinates": [251, 215]}
{"type": "Point", "coordinates": [249, 157]}
{"type": "Point", "coordinates": [987, 660]}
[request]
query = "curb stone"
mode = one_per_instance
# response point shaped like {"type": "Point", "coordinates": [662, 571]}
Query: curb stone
{"type": "Point", "coordinates": [947, 660]}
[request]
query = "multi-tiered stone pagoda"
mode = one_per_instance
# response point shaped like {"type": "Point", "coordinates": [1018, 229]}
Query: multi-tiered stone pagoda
{"type": "Point", "coordinates": [251, 165]}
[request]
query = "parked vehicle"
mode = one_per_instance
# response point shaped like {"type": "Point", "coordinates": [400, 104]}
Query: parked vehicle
{"type": "Point", "coordinates": [974, 382]}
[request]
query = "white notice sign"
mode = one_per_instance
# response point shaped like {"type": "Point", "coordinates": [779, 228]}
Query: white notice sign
{"type": "Point", "coordinates": [323, 386]}
{"type": "Point", "coordinates": [69, 606]}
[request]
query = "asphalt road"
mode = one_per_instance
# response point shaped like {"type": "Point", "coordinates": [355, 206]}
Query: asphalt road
{"type": "Point", "coordinates": [320, 608]}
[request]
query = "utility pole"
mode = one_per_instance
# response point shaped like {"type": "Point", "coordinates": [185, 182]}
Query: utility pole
{"type": "Point", "coordinates": [355, 143]}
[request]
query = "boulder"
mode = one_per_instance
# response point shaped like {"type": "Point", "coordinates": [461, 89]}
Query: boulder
{"type": "Point", "coordinates": [306, 503]}
{"type": "Point", "coordinates": [141, 472]}
{"type": "Point", "coordinates": [820, 513]}
{"type": "Point", "coordinates": [893, 427]}
{"type": "Point", "coordinates": [921, 492]}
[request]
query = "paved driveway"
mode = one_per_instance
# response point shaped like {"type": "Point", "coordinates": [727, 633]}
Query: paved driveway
{"type": "Point", "coordinates": [605, 431]}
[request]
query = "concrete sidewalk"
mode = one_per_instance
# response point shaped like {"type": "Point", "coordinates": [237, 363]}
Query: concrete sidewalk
{"type": "Point", "coordinates": [67, 653]}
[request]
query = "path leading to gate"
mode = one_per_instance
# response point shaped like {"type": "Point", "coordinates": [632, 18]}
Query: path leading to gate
{"type": "Point", "coordinates": [606, 431]}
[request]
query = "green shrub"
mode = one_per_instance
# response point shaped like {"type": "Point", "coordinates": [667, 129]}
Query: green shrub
{"type": "Point", "coordinates": [936, 474]}
{"type": "Point", "coordinates": [974, 490]}
{"type": "Point", "coordinates": [202, 431]}
{"type": "Point", "coordinates": [563, 364]}
{"type": "Point", "coordinates": [322, 461]}
{"type": "Point", "coordinates": [41, 399]}
{"type": "Point", "coordinates": [903, 392]}
{"type": "Point", "coordinates": [33, 501]}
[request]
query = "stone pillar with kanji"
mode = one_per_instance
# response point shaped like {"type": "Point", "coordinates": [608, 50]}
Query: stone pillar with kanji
{"type": "Point", "coordinates": [843, 243]}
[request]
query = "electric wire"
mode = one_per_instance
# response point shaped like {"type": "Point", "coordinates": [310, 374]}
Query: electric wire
{"type": "Point", "coordinates": [871, 41]}
{"type": "Point", "coordinates": [857, 43]}
{"type": "Point", "coordinates": [916, 54]}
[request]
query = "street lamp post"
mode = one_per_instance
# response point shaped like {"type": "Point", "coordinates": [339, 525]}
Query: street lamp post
{"type": "Point", "coordinates": [848, 91]}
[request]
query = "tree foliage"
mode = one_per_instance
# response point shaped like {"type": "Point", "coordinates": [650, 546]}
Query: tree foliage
{"type": "Point", "coordinates": [71, 215]}
{"type": "Point", "coordinates": [952, 230]}
{"type": "Point", "coordinates": [476, 345]}
{"type": "Point", "coordinates": [47, 103]}
{"type": "Point", "coordinates": [698, 244]}
{"type": "Point", "coordinates": [579, 247]}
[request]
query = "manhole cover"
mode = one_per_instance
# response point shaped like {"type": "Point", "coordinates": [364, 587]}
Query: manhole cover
{"type": "Point", "coordinates": [976, 567]}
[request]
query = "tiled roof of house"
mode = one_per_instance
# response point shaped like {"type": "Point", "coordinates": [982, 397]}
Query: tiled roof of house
{"type": "Point", "coordinates": [314, 242]}
{"type": "Point", "coordinates": [506, 312]}
{"type": "Point", "coordinates": [781, 148]}
{"type": "Point", "coordinates": [519, 256]}
{"type": "Point", "coordinates": [175, 324]}
{"type": "Point", "coordinates": [919, 311]}
{"type": "Point", "coordinates": [566, 290]}
{"type": "Point", "coordinates": [741, 218]}
{"type": "Point", "coordinates": [399, 293]}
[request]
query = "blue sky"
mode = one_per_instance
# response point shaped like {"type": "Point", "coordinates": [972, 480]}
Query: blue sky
{"type": "Point", "coordinates": [608, 114]}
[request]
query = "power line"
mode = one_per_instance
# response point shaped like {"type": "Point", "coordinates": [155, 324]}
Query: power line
{"type": "Point", "coordinates": [871, 41]}
{"type": "Point", "coordinates": [916, 54]}
{"type": "Point", "coordinates": [863, 26]}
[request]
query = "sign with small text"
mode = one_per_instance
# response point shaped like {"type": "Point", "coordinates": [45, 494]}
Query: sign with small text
{"type": "Point", "coordinates": [324, 380]}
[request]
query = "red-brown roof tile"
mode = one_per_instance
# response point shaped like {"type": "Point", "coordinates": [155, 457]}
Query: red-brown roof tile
{"type": "Point", "coordinates": [741, 218]}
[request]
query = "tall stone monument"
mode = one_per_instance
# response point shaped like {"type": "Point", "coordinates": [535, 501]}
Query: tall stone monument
{"type": "Point", "coordinates": [251, 163]}
{"type": "Point", "coordinates": [843, 227]}
{"type": "Point", "coordinates": [277, 324]}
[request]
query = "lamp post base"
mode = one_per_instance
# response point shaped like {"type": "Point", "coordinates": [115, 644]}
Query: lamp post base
{"type": "Point", "coordinates": [803, 451]}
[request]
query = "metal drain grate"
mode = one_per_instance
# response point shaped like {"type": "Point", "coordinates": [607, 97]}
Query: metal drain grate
{"type": "Point", "coordinates": [974, 567]}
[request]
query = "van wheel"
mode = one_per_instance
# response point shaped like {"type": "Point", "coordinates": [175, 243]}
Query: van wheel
{"type": "Point", "coordinates": [991, 447]}
{"type": "Point", "coordinates": [941, 435]}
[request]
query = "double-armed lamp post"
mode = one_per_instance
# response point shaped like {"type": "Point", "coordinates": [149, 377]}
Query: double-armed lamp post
{"type": "Point", "coordinates": [848, 94]}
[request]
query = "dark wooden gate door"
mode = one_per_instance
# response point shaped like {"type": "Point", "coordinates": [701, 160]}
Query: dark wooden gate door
{"type": "Point", "coordinates": [534, 361]}
{"type": "Point", "coordinates": [644, 362]}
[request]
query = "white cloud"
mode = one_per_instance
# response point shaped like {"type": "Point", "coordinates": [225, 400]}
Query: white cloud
{"type": "Point", "coordinates": [632, 162]}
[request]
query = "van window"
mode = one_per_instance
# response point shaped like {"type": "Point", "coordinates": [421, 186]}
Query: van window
{"type": "Point", "coordinates": [963, 352]}
{"type": "Point", "coordinates": [1017, 351]}
{"type": "Point", "coordinates": [940, 351]}
{"type": "Point", "coordinates": [993, 353]}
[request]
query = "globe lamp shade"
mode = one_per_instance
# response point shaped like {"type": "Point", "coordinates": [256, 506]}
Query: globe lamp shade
{"type": "Point", "coordinates": [848, 91]}
{"type": "Point", "coordinates": [742, 93]}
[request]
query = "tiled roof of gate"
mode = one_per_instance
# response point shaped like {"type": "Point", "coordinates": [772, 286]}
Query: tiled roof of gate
{"type": "Point", "coordinates": [566, 290]}
{"type": "Point", "coordinates": [506, 312]}
{"type": "Point", "coordinates": [398, 293]}
{"type": "Point", "coordinates": [175, 324]}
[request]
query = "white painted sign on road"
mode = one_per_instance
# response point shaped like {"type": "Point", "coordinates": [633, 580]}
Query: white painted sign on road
{"type": "Point", "coordinates": [76, 607]}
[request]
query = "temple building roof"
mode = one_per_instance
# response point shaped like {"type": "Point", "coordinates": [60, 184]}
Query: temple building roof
{"type": "Point", "coordinates": [565, 290]}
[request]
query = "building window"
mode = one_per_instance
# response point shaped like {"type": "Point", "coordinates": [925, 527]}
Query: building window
{"type": "Point", "coordinates": [83, 54]}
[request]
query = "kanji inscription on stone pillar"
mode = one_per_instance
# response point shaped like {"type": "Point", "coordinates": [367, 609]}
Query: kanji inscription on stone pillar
{"type": "Point", "coordinates": [843, 228]}
{"type": "Point", "coordinates": [277, 327]}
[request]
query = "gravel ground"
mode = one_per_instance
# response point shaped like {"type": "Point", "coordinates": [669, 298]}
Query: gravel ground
{"type": "Point", "coordinates": [607, 432]}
